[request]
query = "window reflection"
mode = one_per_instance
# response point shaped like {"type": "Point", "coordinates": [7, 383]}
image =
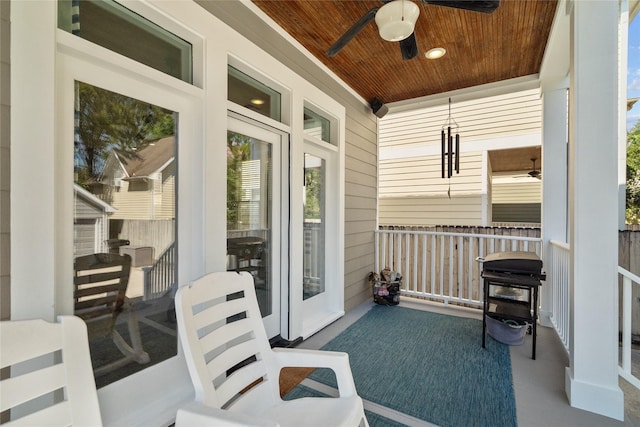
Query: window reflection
{"type": "Point", "coordinates": [249, 226]}
{"type": "Point", "coordinates": [314, 226]}
{"type": "Point", "coordinates": [317, 125]}
{"type": "Point", "coordinates": [124, 230]}
{"type": "Point", "coordinates": [250, 93]}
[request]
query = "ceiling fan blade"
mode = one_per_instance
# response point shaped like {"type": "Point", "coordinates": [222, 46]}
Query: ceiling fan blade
{"type": "Point", "coordinates": [483, 6]}
{"type": "Point", "coordinates": [352, 32]}
{"type": "Point", "coordinates": [409, 47]}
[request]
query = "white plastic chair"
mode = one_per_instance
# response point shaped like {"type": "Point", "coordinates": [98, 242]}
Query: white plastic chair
{"type": "Point", "coordinates": [47, 377]}
{"type": "Point", "coordinates": [236, 373]}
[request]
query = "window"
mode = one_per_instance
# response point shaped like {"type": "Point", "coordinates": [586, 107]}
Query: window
{"type": "Point", "coordinates": [248, 92]}
{"type": "Point", "coordinates": [112, 26]}
{"type": "Point", "coordinates": [314, 226]}
{"type": "Point", "coordinates": [316, 125]}
{"type": "Point", "coordinates": [124, 208]}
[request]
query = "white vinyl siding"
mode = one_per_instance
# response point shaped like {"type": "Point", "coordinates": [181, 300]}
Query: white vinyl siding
{"type": "Point", "coordinates": [168, 194]}
{"type": "Point", "coordinates": [411, 188]}
{"type": "Point", "coordinates": [146, 198]}
{"type": "Point", "coordinates": [423, 176]}
{"type": "Point", "coordinates": [431, 210]}
{"type": "Point", "coordinates": [528, 190]}
{"type": "Point", "coordinates": [84, 236]}
{"type": "Point", "coordinates": [133, 200]}
{"type": "Point", "coordinates": [479, 119]}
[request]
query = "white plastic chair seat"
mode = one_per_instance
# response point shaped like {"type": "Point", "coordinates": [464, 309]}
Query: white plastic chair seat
{"type": "Point", "coordinates": [307, 411]}
{"type": "Point", "coordinates": [317, 411]}
{"type": "Point", "coordinates": [236, 373]}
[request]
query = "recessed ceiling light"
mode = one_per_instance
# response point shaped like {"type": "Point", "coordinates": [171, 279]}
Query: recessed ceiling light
{"type": "Point", "coordinates": [257, 101]}
{"type": "Point", "coordinates": [435, 53]}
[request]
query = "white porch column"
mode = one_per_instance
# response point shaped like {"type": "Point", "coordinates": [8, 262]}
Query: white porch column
{"type": "Point", "coordinates": [554, 182]}
{"type": "Point", "coordinates": [592, 378]}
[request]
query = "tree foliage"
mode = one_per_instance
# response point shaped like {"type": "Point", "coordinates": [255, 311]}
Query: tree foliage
{"type": "Point", "coordinates": [107, 121]}
{"type": "Point", "coordinates": [238, 152]}
{"type": "Point", "coordinates": [633, 175]}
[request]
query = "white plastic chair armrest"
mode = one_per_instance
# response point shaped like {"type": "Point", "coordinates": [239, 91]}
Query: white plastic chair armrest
{"type": "Point", "coordinates": [197, 414]}
{"type": "Point", "coordinates": [334, 360]}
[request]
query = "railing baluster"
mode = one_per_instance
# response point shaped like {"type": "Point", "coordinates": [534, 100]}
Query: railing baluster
{"type": "Point", "coordinates": [460, 279]}
{"type": "Point", "coordinates": [625, 370]}
{"type": "Point", "coordinates": [470, 268]}
{"type": "Point", "coordinates": [433, 264]}
{"type": "Point", "coordinates": [424, 264]}
{"type": "Point", "coordinates": [450, 268]}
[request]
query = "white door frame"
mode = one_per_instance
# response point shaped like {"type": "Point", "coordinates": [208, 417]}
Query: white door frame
{"type": "Point", "coordinates": [277, 321]}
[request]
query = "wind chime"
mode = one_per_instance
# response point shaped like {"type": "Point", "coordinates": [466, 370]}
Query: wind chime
{"type": "Point", "coordinates": [448, 152]}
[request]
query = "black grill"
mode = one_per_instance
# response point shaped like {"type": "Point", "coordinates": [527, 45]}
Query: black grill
{"type": "Point", "coordinates": [524, 264]}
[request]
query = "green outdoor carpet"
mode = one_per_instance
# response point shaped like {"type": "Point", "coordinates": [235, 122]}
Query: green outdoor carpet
{"type": "Point", "coordinates": [430, 366]}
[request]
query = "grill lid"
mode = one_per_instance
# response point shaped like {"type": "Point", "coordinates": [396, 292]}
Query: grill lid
{"type": "Point", "coordinates": [513, 262]}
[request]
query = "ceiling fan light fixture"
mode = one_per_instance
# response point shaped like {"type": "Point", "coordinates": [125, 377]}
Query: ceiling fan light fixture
{"type": "Point", "coordinates": [397, 19]}
{"type": "Point", "coordinates": [435, 53]}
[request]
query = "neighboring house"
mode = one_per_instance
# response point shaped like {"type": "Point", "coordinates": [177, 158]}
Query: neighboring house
{"type": "Point", "coordinates": [412, 190]}
{"type": "Point", "coordinates": [515, 198]}
{"type": "Point", "coordinates": [91, 224]}
{"type": "Point", "coordinates": [142, 187]}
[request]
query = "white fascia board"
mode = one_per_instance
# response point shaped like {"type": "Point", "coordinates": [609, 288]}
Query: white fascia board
{"type": "Point", "coordinates": [501, 143]}
{"type": "Point", "coordinates": [267, 19]}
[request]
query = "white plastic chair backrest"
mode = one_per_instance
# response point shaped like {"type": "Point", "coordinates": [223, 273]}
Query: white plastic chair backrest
{"type": "Point", "coordinates": [50, 379]}
{"type": "Point", "coordinates": [225, 342]}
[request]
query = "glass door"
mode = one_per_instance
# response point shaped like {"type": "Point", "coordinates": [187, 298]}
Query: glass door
{"type": "Point", "coordinates": [254, 212]}
{"type": "Point", "coordinates": [313, 282]}
{"type": "Point", "coordinates": [322, 284]}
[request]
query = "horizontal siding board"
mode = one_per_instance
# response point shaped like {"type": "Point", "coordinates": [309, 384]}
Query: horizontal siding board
{"type": "Point", "coordinates": [360, 215]}
{"type": "Point", "coordinates": [528, 190]}
{"type": "Point", "coordinates": [355, 227]}
{"type": "Point", "coordinates": [430, 210]}
{"type": "Point", "coordinates": [355, 239]}
{"type": "Point", "coordinates": [362, 190]}
{"type": "Point", "coordinates": [478, 119]}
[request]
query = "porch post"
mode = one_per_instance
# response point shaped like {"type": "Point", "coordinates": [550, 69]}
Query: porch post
{"type": "Point", "coordinates": [554, 182]}
{"type": "Point", "coordinates": [591, 380]}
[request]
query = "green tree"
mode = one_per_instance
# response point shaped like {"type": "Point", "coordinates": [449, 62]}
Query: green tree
{"type": "Point", "coordinates": [238, 152]}
{"type": "Point", "coordinates": [107, 121]}
{"type": "Point", "coordinates": [313, 184]}
{"type": "Point", "coordinates": [633, 175]}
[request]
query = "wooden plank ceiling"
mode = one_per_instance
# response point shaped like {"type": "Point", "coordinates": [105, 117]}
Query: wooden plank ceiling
{"type": "Point", "coordinates": [481, 48]}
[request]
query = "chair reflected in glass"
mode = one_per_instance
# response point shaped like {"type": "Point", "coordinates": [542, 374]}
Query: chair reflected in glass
{"type": "Point", "coordinates": [100, 285]}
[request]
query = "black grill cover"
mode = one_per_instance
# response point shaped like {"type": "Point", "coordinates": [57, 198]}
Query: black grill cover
{"type": "Point", "coordinates": [513, 262]}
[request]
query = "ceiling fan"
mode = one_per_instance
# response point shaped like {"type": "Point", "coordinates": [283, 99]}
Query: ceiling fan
{"type": "Point", "coordinates": [533, 173]}
{"type": "Point", "coordinates": [408, 44]}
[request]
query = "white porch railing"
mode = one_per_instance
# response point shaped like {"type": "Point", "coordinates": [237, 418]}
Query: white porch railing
{"type": "Point", "coordinates": [161, 276]}
{"type": "Point", "coordinates": [628, 279]}
{"type": "Point", "coordinates": [442, 265]}
{"type": "Point", "coordinates": [558, 284]}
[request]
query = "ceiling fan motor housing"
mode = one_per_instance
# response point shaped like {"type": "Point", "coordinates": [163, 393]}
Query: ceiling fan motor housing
{"type": "Point", "coordinates": [397, 19]}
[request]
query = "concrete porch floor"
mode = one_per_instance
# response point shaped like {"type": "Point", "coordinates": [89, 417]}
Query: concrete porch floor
{"type": "Point", "coordinates": [538, 384]}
